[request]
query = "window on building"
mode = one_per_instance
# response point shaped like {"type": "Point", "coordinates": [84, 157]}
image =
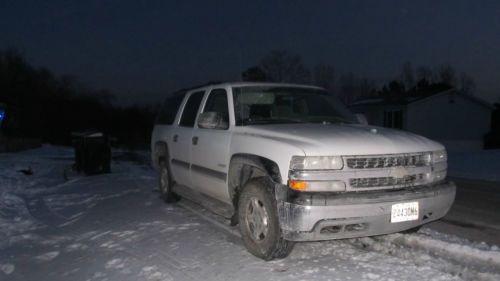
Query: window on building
{"type": "Point", "coordinates": [393, 119]}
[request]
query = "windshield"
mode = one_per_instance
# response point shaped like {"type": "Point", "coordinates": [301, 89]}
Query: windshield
{"type": "Point", "coordinates": [271, 105]}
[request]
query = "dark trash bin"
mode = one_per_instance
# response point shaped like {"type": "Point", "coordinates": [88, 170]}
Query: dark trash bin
{"type": "Point", "coordinates": [492, 138]}
{"type": "Point", "coordinates": [92, 152]}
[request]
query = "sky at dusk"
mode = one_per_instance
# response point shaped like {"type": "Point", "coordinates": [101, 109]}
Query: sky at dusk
{"type": "Point", "coordinates": [142, 50]}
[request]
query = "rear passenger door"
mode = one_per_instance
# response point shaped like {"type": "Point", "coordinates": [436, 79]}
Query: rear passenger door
{"type": "Point", "coordinates": [180, 149]}
{"type": "Point", "coordinates": [210, 151]}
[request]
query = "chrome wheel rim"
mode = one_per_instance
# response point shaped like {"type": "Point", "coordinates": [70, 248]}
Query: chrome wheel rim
{"type": "Point", "coordinates": [257, 219]}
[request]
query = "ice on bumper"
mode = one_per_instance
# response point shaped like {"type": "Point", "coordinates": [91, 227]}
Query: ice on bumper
{"type": "Point", "coordinates": [333, 216]}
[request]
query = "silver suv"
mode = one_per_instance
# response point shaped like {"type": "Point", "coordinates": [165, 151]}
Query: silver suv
{"type": "Point", "coordinates": [291, 163]}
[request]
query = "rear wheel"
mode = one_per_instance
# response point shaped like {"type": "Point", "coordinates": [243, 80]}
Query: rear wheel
{"type": "Point", "coordinates": [165, 184]}
{"type": "Point", "coordinates": [258, 220]}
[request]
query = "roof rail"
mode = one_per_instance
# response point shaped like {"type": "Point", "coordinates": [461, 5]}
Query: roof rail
{"type": "Point", "coordinates": [213, 82]}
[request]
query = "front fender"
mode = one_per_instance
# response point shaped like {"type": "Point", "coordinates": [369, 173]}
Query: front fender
{"type": "Point", "coordinates": [278, 150]}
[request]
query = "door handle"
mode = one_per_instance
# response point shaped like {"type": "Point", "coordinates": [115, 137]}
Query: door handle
{"type": "Point", "coordinates": [176, 137]}
{"type": "Point", "coordinates": [195, 140]}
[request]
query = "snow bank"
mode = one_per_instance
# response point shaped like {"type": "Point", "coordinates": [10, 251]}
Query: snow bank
{"type": "Point", "coordinates": [460, 252]}
{"type": "Point", "coordinates": [482, 165]}
{"type": "Point", "coordinates": [37, 188]}
{"type": "Point", "coordinates": [22, 176]}
{"type": "Point", "coordinates": [14, 216]}
{"type": "Point", "coordinates": [7, 268]}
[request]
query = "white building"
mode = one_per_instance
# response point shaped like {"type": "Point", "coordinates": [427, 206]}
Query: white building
{"type": "Point", "coordinates": [457, 120]}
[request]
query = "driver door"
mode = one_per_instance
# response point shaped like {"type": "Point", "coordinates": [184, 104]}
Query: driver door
{"type": "Point", "coordinates": [210, 150]}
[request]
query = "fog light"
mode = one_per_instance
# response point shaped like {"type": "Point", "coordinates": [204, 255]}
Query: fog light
{"type": "Point", "coordinates": [441, 175]}
{"type": "Point", "coordinates": [435, 176]}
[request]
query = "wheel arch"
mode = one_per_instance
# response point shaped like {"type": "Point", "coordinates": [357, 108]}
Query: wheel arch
{"type": "Point", "coordinates": [244, 167]}
{"type": "Point", "coordinates": [160, 152]}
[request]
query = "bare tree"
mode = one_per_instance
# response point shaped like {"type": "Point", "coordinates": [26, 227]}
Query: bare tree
{"type": "Point", "coordinates": [424, 73]}
{"type": "Point", "coordinates": [447, 75]}
{"type": "Point", "coordinates": [105, 97]}
{"type": "Point", "coordinates": [280, 66]}
{"type": "Point", "coordinates": [324, 76]}
{"type": "Point", "coordinates": [348, 91]}
{"type": "Point", "coordinates": [367, 88]}
{"type": "Point", "coordinates": [254, 74]}
{"type": "Point", "coordinates": [467, 84]}
{"type": "Point", "coordinates": [353, 88]}
{"type": "Point", "coordinates": [408, 75]}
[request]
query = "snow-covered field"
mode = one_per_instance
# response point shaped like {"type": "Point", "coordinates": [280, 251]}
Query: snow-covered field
{"type": "Point", "coordinates": [58, 226]}
{"type": "Point", "coordinates": [481, 165]}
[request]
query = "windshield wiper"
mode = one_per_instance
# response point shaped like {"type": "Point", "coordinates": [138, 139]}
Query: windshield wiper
{"type": "Point", "coordinates": [271, 121]}
{"type": "Point", "coordinates": [335, 119]}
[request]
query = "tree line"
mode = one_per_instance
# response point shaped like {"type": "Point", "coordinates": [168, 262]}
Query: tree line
{"type": "Point", "coordinates": [43, 105]}
{"type": "Point", "coordinates": [40, 104]}
{"type": "Point", "coordinates": [281, 66]}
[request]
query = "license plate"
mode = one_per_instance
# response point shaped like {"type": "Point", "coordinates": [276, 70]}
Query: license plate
{"type": "Point", "coordinates": [404, 212]}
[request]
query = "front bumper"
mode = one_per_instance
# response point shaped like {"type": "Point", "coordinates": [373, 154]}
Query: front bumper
{"type": "Point", "coordinates": [311, 217]}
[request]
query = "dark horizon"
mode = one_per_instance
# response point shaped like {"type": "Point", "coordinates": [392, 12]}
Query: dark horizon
{"type": "Point", "coordinates": [141, 52]}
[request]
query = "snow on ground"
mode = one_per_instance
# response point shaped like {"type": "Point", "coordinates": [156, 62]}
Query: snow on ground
{"type": "Point", "coordinates": [114, 227]}
{"type": "Point", "coordinates": [48, 165]}
{"type": "Point", "coordinates": [482, 165]}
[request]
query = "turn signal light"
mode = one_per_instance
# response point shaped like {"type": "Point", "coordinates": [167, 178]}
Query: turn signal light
{"type": "Point", "coordinates": [297, 185]}
{"type": "Point", "coordinates": [317, 186]}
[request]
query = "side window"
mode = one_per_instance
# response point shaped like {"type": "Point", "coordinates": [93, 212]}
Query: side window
{"type": "Point", "coordinates": [191, 109]}
{"type": "Point", "coordinates": [217, 102]}
{"type": "Point", "coordinates": [169, 109]}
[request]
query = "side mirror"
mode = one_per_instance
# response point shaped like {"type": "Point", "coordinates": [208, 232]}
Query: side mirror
{"type": "Point", "coordinates": [211, 120]}
{"type": "Point", "coordinates": [362, 119]}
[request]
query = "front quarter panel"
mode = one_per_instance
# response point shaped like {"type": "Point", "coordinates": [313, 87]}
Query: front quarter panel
{"type": "Point", "coordinates": [277, 150]}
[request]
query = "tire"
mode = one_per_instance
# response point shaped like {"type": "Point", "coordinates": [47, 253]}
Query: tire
{"type": "Point", "coordinates": [258, 221]}
{"type": "Point", "coordinates": [165, 183]}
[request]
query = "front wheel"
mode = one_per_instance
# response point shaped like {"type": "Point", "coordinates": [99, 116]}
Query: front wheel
{"type": "Point", "coordinates": [258, 219]}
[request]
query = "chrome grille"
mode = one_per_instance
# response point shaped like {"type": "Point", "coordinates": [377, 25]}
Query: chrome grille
{"type": "Point", "coordinates": [408, 180]}
{"type": "Point", "coordinates": [387, 161]}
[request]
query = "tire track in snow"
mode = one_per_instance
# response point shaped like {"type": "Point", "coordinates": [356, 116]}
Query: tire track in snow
{"type": "Point", "coordinates": [423, 256]}
{"type": "Point", "coordinates": [40, 211]}
{"type": "Point", "coordinates": [209, 217]}
{"type": "Point", "coordinates": [457, 252]}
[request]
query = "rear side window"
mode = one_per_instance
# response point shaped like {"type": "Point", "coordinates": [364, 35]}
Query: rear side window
{"type": "Point", "coordinates": [169, 109]}
{"type": "Point", "coordinates": [191, 109]}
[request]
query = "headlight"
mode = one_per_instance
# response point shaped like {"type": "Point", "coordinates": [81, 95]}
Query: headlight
{"type": "Point", "coordinates": [439, 156]}
{"type": "Point", "coordinates": [316, 163]}
{"type": "Point", "coordinates": [439, 166]}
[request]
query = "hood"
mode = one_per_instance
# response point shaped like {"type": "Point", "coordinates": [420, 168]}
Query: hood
{"type": "Point", "coordinates": [345, 139]}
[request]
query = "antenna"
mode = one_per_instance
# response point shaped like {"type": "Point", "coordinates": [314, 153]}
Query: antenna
{"type": "Point", "coordinates": [241, 66]}
{"type": "Point", "coordinates": [240, 58]}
